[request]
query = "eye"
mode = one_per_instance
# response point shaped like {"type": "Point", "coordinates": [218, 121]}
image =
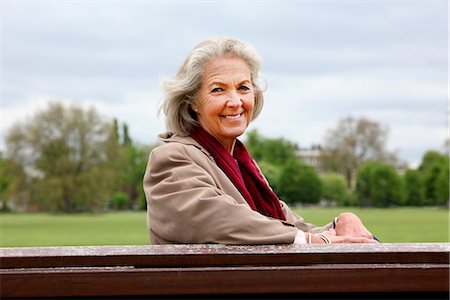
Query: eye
{"type": "Point", "coordinates": [217, 90]}
{"type": "Point", "coordinates": [244, 88]}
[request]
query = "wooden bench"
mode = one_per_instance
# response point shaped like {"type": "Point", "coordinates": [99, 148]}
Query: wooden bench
{"type": "Point", "coordinates": [314, 271]}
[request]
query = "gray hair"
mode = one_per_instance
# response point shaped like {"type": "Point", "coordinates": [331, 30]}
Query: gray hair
{"type": "Point", "coordinates": [182, 90]}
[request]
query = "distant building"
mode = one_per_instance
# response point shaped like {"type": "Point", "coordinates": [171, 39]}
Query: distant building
{"type": "Point", "coordinates": [310, 156]}
{"type": "Point", "coordinates": [401, 167]}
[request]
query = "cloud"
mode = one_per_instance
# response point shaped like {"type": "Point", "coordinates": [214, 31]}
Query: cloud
{"type": "Point", "coordinates": [322, 61]}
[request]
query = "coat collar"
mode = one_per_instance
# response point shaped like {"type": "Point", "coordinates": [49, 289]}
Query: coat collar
{"type": "Point", "coordinates": [170, 137]}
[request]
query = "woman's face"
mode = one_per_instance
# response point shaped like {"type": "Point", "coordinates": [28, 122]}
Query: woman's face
{"type": "Point", "coordinates": [226, 99]}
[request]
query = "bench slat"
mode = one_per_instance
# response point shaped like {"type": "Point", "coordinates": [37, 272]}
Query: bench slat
{"type": "Point", "coordinates": [126, 271]}
{"type": "Point", "coordinates": [345, 278]}
{"type": "Point", "coordinates": [220, 255]}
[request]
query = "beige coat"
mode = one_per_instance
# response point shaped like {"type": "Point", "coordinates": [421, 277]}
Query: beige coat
{"type": "Point", "coordinates": [191, 200]}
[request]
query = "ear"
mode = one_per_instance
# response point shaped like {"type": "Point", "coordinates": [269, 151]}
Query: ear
{"type": "Point", "coordinates": [194, 108]}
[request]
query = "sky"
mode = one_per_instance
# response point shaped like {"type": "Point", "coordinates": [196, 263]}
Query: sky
{"type": "Point", "coordinates": [323, 61]}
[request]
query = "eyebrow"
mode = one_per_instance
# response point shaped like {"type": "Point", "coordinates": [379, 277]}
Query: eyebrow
{"type": "Point", "coordinates": [221, 83]}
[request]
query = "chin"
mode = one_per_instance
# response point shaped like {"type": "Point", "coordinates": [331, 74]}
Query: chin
{"type": "Point", "coordinates": [236, 133]}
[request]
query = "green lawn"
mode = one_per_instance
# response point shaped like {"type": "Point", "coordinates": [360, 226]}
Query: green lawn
{"type": "Point", "coordinates": [393, 225]}
{"type": "Point", "coordinates": [129, 228]}
{"type": "Point", "coordinates": [39, 229]}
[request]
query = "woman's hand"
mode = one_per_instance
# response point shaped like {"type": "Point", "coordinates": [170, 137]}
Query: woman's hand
{"type": "Point", "coordinates": [349, 229]}
{"type": "Point", "coordinates": [348, 224]}
{"type": "Point", "coordinates": [337, 239]}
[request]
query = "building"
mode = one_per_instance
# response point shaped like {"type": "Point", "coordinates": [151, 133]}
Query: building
{"type": "Point", "coordinates": [310, 156]}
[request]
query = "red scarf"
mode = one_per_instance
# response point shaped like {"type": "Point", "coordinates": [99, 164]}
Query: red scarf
{"type": "Point", "coordinates": [243, 172]}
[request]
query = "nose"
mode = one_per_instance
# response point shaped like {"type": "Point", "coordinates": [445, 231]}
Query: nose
{"type": "Point", "coordinates": [234, 99]}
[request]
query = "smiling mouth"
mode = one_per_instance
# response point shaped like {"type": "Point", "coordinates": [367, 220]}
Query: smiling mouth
{"type": "Point", "coordinates": [234, 117]}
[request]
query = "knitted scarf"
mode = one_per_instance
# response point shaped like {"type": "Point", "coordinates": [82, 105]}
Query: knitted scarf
{"type": "Point", "coordinates": [243, 172]}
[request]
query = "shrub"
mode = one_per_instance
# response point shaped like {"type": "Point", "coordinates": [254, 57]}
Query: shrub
{"type": "Point", "coordinates": [414, 188]}
{"type": "Point", "coordinates": [378, 184]}
{"type": "Point", "coordinates": [334, 188]}
{"type": "Point", "coordinates": [299, 183]}
{"type": "Point", "coordinates": [119, 201]}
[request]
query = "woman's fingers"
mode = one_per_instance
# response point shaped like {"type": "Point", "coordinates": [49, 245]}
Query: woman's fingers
{"type": "Point", "coordinates": [332, 231]}
{"type": "Point", "coordinates": [349, 239]}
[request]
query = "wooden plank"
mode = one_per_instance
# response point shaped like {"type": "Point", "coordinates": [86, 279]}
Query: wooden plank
{"type": "Point", "coordinates": [217, 269]}
{"type": "Point", "coordinates": [221, 255]}
{"type": "Point", "coordinates": [129, 281]}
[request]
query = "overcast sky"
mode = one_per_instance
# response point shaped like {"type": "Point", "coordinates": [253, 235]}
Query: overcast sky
{"type": "Point", "coordinates": [322, 60]}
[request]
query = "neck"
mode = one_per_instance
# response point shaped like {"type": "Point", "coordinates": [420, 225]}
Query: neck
{"type": "Point", "coordinates": [231, 147]}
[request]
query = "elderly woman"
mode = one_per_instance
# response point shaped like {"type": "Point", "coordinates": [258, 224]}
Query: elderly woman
{"type": "Point", "coordinates": [201, 184]}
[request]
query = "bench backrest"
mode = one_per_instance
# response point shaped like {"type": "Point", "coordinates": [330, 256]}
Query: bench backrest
{"type": "Point", "coordinates": [98, 271]}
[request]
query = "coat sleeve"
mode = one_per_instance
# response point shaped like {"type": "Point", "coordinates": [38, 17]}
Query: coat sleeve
{"type": "Point", "coordinates": [186, 205]}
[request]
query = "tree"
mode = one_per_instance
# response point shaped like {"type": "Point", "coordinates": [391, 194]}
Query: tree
{"type": "Point", "coordinates": [293, 181]}
{"type": "Point", "coordinates": [434, 169]}
{"type": "Point", "coordinates": [126, 137]}
{"type": "Point", "coordinates": [414, 186]}
{"type": "Point", "coordinates": [299, 183]}
{"type": "Point", "coordinates": [276, 151]}
{"type": "Point", "coordinates": [378, 184]}
{"type": "Point", "coordinates": [272, 174]}
{"type": "Point", "coordinates": [128, 192]}
{"type": "Point", "coordinates": [353, 142]}
{"type": "Point", "coordinates": [10, 182]}
{"type": "Point", "coordinates": [271, 155]}
{"type": "Point", "coordinates": [334, 188]}
{"type": "Point", "coordinates": [441, 185]}
{"type": "Point", "coordinates": [70, 156]}
{"type": "Point", "coordinates": [133, 174]}
{"type": "Point", "coordinates": [4, 183]}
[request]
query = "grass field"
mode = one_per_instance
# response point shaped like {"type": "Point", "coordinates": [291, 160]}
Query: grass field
{"type": "Point", "coordinates": [129, 228]}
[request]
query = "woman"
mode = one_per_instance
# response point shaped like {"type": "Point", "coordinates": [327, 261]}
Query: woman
{"type": "Point", "coordinates": [201, 185]}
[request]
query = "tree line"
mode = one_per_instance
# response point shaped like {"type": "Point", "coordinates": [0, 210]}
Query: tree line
{"type": "Point", "coordinates": [354, 169]}
{"type": "Point", "coordinates": [70, 159]}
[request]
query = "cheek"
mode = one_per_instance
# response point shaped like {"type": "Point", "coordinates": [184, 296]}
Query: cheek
{"type": "Point", "coordinates": [249, 103]}
{"type": "Point", "coordinates": [209, 106]}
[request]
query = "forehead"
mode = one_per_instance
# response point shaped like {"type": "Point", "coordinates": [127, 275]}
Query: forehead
{"type": "Point", "coordinates": [226, 67]}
